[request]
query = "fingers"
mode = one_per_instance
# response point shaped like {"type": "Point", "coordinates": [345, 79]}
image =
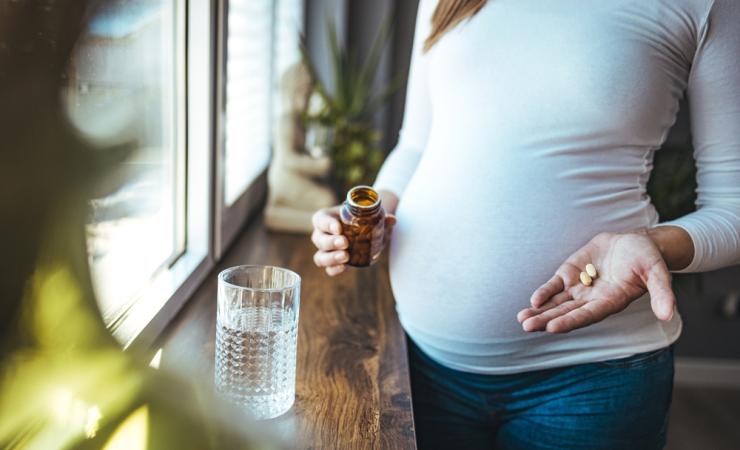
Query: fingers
{"type": "Point", "coordinates": [556, 300]}
{"type": "Point", "coordinates": [553, 286]}
{"type": "Point", "coordinates": [540, 322]}
{"type": "Point", "coordinates": [335, 270]}
{"type": "Point", "coordinates": [390, 220]}
{"type": "Point", "coordinates": [588, 313]}
{"type": "Point", "coordinates": [662, 298]}
{"type": "Point", "coordinates": [331, 244]}
{"type": "Point", "coordinates": [328, 242]}
{"type": "Point", "coordinates": [328, 239]}
{"type": "Point", "coordinates": [565, 278]}
{"type": "Point", "coordinates": [328, 259]}
{"type": "Point", "coordinates": [327, 221]}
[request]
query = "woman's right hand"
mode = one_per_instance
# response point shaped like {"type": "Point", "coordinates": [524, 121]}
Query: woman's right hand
{"type": "Point", "coordinates": [332, 246]}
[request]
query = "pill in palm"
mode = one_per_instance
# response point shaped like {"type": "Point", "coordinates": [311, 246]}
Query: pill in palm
{"type": "Point", "coordinates": [591, 270]}
{"type": "Point", "coordinates": [586, 279]}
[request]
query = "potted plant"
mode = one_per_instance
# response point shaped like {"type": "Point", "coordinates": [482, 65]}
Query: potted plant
{"type": "Point", "coordinates": [339, 122]}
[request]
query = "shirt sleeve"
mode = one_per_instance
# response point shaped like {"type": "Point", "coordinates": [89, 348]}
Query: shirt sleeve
{"type": "Point", "coordinates": [402, 161]}
{"type": "Point", "coordinates": [714, 102]}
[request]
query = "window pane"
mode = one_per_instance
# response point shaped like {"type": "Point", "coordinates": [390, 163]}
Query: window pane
{"type": "Point", "coordinates": [123, 84]}
{"type": "Point", "coordinates": [248, 92]}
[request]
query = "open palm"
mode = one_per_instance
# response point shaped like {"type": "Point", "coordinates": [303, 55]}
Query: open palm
{"type": "Point", "coordinates": [628, 265]}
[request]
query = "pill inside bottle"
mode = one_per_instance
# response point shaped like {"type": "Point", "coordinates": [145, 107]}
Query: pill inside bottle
{"type": "Point", "coordinates": [363, 224]}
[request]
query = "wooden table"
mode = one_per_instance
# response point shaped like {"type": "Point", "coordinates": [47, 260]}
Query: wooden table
{"type": "Point", "coordinates": [352, 376]}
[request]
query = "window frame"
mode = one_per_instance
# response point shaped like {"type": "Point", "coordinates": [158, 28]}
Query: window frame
{"type": "Point", "coordinates": [171, 287]}
{"type": "Point", "coordinates": [231, 219]}
{"type": "Point", "coordinates": [211, 226]}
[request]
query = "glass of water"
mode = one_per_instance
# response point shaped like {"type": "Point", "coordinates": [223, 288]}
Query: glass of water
{"type": "Point", "coordinates": [256, 338]}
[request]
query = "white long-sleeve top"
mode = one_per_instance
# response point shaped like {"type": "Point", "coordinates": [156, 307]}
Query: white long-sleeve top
{"type": "Point", "coordinates": [529, 129]}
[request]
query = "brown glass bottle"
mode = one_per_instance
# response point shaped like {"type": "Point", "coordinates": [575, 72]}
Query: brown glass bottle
{"type": "Point", "coordinates": [363, 223]}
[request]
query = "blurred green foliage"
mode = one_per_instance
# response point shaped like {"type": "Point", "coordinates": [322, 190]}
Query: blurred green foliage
{"type": "Point", "coordinates": [348, 110]}
{"type": "Point", "coordinates": [65, 383]}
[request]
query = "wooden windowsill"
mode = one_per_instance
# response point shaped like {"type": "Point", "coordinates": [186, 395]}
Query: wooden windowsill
{"type": "Point", "coordinates": [352, 376]}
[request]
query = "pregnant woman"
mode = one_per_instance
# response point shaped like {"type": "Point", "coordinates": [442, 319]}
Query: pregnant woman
{"type": "Point", "coordinates": [527, 143]}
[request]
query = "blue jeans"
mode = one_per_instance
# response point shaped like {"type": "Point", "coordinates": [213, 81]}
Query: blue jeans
{"type": "Point", "coordinates": [617, 404]}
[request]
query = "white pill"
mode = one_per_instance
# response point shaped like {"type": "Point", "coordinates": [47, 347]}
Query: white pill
{"type": "Point", "coordinates": [591, 270]}
{"type": "Point", "coordinates": [586, 279]}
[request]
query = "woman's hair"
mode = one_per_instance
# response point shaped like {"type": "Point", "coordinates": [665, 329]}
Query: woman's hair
{"type": "Point", "coordinates": [448, 14]}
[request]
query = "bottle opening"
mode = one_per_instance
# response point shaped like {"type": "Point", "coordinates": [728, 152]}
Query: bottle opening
{"type": "Point", "coordinates": [363, 197]}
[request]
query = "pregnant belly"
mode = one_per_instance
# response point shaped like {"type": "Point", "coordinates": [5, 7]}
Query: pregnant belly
{"type": "Point", "coordinates": [465, 259]}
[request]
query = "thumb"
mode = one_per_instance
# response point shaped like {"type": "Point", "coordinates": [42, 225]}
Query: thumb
{"type": "Point", "coordinates": [390, 220]}
{"type": "Point", "coordinates": [662, 299]}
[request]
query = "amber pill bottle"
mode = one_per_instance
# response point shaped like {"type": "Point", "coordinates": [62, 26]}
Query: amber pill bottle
{"type": "Point", "coordinates": [363, 223]}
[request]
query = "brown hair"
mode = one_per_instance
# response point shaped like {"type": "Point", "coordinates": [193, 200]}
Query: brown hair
{"type": "Point", "coordinates": [448, 14]}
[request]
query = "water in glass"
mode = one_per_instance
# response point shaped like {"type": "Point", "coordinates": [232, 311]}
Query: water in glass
{"type": "Point", "coordinates": [255, 360]}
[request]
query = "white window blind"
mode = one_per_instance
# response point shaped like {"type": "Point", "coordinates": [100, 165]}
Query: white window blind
{"type": "Point", "coordinates": [262, 40]}
{"type": "Point", "coordinates": [247, 99]}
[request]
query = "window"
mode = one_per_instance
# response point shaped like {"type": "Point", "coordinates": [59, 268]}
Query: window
{"type": "Point", "coordinates": [143, 74]}
{"type": "Point", "coordinates": [261, 40]}
{"type": "Point", "coordinates": [247, 98]}
{"type": "Point", "coordinates": [126, 84]}
{"type": "Point", "coordinates": [123, 85]}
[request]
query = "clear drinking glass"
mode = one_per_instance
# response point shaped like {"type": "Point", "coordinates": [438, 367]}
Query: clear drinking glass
{"type": "Point", "coordinates": [256, 338]}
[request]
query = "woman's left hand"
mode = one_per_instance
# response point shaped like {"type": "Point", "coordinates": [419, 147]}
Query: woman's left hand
{"type": "Point", "coordinates": [628, 265]}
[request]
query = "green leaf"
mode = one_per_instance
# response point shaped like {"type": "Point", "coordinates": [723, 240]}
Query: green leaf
{"type": "Point", "coordinates": [318, 84]}
{"type": "Point", "coordinates": [354, 154]}
{"type": "Point", "coordinates": [339, 66]}
{"type": "Point", "coordinates": [356, 150]}
{"type": "Point", "coordinates": [355, 174]}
